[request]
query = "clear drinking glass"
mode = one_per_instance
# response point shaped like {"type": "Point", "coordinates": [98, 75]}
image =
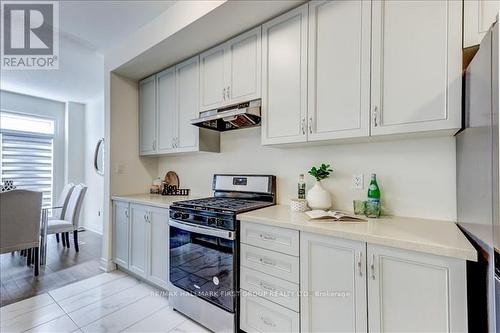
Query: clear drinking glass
{"type": "Point", "coordinates": [359, 206]}
{"type": "Point", "coordinates": [372, 209]}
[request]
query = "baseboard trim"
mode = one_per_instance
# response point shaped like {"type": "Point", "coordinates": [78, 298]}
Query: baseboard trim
{"type": "Point", "coordinates": [99, 232]}
{"type": "Point", "coordinates": [107, 265]}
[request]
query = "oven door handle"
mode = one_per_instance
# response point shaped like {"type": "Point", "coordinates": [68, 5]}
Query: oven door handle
{"type": "Point", "coordinates": [226, 234]}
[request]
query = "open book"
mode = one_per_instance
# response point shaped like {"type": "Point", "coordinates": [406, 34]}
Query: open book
{"type": "Point", "coordinates": [333, 215]}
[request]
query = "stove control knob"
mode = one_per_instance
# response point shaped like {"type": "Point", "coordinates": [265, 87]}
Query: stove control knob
{"type": "Point", "coordinates": [177, 215]}
{"type": "Point", "coordinates": [211, 221]}
{"type": "Point", "coordinates": [185, 216]}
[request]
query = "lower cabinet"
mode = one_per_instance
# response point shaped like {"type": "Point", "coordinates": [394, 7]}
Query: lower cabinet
{"type": "Point", "coordinates": [346, 286]}
{"type": "Point", "coordinates": [140, 241]}
{"type": "Point", "coordinates": [333, 283]}
{"type": "Point", "coordinates": [410, 291]}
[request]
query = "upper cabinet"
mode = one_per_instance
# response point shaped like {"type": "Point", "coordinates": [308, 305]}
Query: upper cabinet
{"type": "Point", "coordinates": [147, 116]}
{"type": "Point", "coordinates": [231, 73]}
{"type": "Point", "coordinates": [479, 15]}
{"type": "Point", "coordinates": [416, 66]}
{"type": "Point", "coordinates": [284, 73]}
{"type": "Point", "coordinates": [353, 69]}
{"type": "Point", "coordinates": [339, 69]}
{"type": "Point", "coordinates": [169, 101]}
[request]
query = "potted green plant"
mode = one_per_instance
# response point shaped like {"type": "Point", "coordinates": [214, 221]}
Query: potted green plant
{"type": "Point", "coordinates": [317, 196]}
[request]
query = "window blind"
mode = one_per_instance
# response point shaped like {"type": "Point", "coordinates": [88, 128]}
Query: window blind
{"type": "Point", "coordinates": [27, 160]}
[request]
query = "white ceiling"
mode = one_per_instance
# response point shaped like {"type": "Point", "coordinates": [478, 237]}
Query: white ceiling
{"type": "Point", "coordinates": [99, 25]}
{"type": "Point", "coordinates": [88, 28]}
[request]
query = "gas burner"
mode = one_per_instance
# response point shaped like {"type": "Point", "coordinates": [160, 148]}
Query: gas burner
{"type": "Point", "coordinates": [223, 204]}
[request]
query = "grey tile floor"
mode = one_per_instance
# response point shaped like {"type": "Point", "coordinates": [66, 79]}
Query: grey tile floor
{"type": "Point", "coordinates": [108, 302]}
{"type": "Point", "coordinates": [64, 266]}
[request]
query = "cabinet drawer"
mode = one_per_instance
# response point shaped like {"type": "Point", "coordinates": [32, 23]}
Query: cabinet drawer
{"type": "Point", "coordinates": [269, 287]}
{"type": "Point", "coordinates": [260, 315]}
{"type": "Point", "coordinates": [276, 264]}
{"type": "Point", "coordinates": [271, 238]}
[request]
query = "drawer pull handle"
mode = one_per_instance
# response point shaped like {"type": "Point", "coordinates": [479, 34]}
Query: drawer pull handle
{"type": "Point", "coordinates": [267, 287]}
{"type": "Point", "coordinates": [267, 237]}
{"type": "Point", "coordinates": [267, 262]}
{"type": "Point", "coordinates": [267, 321]}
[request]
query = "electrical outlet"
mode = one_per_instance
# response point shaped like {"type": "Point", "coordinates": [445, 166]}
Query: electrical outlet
{"type": "Point", "coordinates": [357, 181]}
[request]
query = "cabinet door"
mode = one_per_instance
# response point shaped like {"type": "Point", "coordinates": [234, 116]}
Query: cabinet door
{"type": "Point", "coordinates": [158, 259]}
{"type": "Point", "coordinates": [339, 69]}
{"type": "Point", "coordinates": [244, 72]}
{"type": "Point", "coordinates": [416, 66]}
{"type": "Point", "coordinates": [187, 77]}
{"type": "Point", "coordinates": [334, 268]}
{"type": "Point", "coordinates": [167, 109]}
{"type": "Point", "coordinates": [284, 84]}
{"type": "Point", "coordinates": [147, 116]}
{"type": "Point", "coordinates": [139, 234]}
{"type": "Point", "coordinates": [410, 291]}
{"type": "Point", "coordinates": [212, 80]}
{"type": "Point", "coordinates": [120, 233]}
{"type": "Point", "coordinates": [479, 15]}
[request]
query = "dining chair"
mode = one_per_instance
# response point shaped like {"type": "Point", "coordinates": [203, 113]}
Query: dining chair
{"type": "Point", "coordinates": [62, 203]}
{"type": "Point", "coordinates": [70, 220]}
{"type": "Point", "coordinates": [20, 212]}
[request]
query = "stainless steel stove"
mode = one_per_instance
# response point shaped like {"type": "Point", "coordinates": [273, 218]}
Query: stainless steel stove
{"type": "Point", "coordinates": [204, 248]}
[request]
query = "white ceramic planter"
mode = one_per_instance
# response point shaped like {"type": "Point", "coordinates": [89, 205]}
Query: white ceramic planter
{"type": "Point", "coordinates": [318, 197]}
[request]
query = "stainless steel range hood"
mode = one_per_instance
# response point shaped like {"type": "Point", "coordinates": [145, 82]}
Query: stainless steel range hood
{"type": "Point", "coordinates": [232, 117]}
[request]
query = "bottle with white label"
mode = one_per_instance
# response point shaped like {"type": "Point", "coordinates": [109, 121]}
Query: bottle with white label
{"type": "Point", "coordinates": [301, 187]}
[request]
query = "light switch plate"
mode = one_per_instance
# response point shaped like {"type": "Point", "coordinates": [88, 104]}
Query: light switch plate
{"type": "Point", "coordinates": [357, 181]}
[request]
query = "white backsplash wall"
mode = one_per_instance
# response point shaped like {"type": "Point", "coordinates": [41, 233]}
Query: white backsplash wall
{"type": "Point", "coordinates": [416, 176]}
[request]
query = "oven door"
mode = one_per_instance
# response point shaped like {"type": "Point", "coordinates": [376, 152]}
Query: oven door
{"type": "Point", "coordinates": [203, 262]}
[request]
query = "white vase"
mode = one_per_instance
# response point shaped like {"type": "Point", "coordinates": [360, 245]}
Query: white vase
{"type": "Point", "coordinates": [318, 197]}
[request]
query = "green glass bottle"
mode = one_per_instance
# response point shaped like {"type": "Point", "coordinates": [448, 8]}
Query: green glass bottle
{"type": "Point", "coordinates": [301, 187]}
{"type": "Point", "coordinates": [373, 190]}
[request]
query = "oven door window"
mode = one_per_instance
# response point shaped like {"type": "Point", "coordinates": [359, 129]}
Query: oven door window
{"type": "Point", "coordinates": [204, 266]}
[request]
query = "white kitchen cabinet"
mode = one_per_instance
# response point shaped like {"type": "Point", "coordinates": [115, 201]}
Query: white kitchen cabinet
{"type": "Point", "coordinates": [244, 72]}
{"type": "Point", "coordinates": [231, 73]}
{"type": "Point", "coordinates": [212, 81]}
{"type": "Point", "coordinates": [120, 233]}
{"type": "Point", "coordinates": [284, 78]}
{"type": "Point", "coordinates": [263, 316]}
{"type": "Point", "coordinates": [139, 240]}
{"type": "Point", "coordinates": [479, 15]}
{"type": "Point", "coordinates": [187, 78]}
{"type": "Point", "coordinates": [410, 291]}
{"type": "Point", "coordinates": [333, 274]}
{"type": "Point", "coordinates": [167, 110]}
{"type": "Point", "coordinates": [147, 116]}
{"type": "Point", "coordinates": [416, 74]}
{"type": "Point", "coordinates": [339, 69]}
{"type": "Point", "coordinates": [158, 246]}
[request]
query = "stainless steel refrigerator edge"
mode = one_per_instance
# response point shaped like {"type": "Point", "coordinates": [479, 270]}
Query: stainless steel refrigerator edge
{"type": "Point", "coordinates": [477, 147]}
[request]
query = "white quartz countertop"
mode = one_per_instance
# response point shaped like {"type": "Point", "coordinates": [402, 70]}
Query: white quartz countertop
{"type": "Point", "coordinates": [157, 200]}
{"type": "Point", "coordinates": [436, 237]}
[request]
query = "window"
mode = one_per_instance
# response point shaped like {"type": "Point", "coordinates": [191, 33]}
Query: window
{"type": "Point", "coordinates": [27, 147]}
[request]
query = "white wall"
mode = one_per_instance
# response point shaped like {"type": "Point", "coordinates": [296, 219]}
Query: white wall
{"type": "Point", "coordinates": [94, 130]}
{"type": "Point", "coordinates": [416, 176]}
{"type": "Point", "coordinates": [75, 143]}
